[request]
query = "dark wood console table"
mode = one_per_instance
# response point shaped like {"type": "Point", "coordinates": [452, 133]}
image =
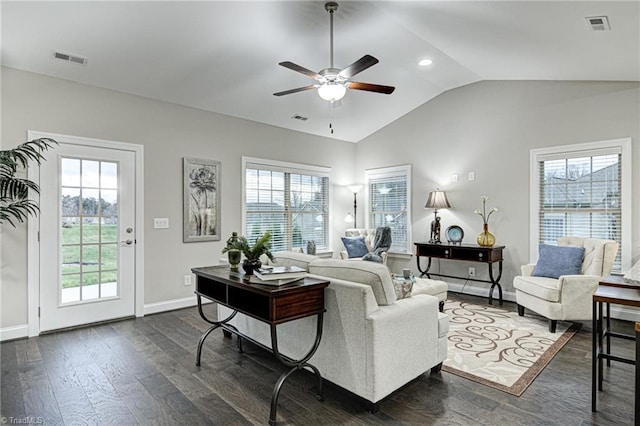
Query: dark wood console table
{"type": "Point", "coordinates": [271, 304]}
{"type": "Point", "coordinates": [467, 252]}
{"type": "Point", "coordinates": [612, 289]}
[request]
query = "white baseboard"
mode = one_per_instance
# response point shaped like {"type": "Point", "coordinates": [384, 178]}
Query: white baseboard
{"type": "Point", "coordinates": [483, 291]}
{"type": "Point", "coordinates": [15, 332]}
{"type": "Point", "coordinates": [171, 305]}
{"type": "Point", "coordinates": [617, 311]}
{"type": "Point", "coordinates": [624, 313]}
{"type": "Point", "coordinates": [21, 331]}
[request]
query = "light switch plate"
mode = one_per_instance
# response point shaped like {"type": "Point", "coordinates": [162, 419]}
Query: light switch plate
{"type": "Point", "coordinates": [160, 222]}
{"type": "Point", "coordinates": [472, 176]}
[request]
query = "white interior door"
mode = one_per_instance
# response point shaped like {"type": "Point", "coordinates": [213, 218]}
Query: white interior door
{"type": "Point", "coordinates": [87, 235]}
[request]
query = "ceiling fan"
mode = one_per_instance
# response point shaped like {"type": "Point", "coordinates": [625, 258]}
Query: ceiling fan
{"type": "Point", "coordinates": [332, 83]}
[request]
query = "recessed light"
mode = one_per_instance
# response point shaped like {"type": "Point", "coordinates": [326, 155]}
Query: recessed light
{"type": "Point", "coordinates": [425, 62]}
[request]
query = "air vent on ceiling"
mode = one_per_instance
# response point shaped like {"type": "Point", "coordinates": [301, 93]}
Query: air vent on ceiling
{"type": "Point", "coordinates": [70, 58]}
{"type": "Point", "coordinates": [598, 23]}
{"type": "Point", "coordinates": [299, 117]}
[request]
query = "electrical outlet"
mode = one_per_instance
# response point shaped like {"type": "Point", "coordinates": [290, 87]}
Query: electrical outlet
{"type": "Point", "coordinates": [472, 272]}
{"type": "Point", "coordinates": [187, 280]}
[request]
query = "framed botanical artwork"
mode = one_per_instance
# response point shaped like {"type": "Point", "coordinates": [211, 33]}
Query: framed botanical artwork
{"type": "Point", "coordinates": [201, 200]}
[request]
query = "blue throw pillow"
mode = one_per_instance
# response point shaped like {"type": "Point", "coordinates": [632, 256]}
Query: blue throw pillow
{"type": "Point", "coordinates": [356, 247]}
{"type": "Point", "coordinates": [554, 261]}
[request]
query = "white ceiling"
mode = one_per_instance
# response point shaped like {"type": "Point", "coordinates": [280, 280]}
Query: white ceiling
{"type": "Point", "coordinates": [223, 56]}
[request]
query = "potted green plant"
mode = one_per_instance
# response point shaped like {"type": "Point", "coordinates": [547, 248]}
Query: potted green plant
{"type": "Point", "coordinates": [252, 252]}
{"type": "Point", "coordinates": [14, 191]}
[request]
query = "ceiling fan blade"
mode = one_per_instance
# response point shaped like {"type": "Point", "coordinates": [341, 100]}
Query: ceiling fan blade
{"type": "Point", "coordinates": [298, 68]}
{"type": "Point", "coordinates": [299, 89]}
{"type": "Point", "coordinates": [378, 88]}
{"type": "Point", "coordinates": [358, 66]}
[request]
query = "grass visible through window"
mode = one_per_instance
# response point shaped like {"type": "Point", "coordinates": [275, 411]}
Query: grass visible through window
{"type": "Point", "coordinates": [93, 262]}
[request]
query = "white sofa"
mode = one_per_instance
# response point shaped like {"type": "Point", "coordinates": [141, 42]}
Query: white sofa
{"type": "Point", "coordinates": [372, 344]}
{"type": "Point", "coordinates": [369, 235]}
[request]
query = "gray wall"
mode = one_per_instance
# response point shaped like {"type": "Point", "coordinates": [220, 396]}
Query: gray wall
{"type": "Point", "coordinates": [168, 133]}
{"type": "Point", "coordinates": [489, 128]}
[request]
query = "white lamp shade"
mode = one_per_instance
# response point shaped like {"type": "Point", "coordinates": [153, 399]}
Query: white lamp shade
{"type": "Point", "coordinates": [355, 188]}
{"type": "Point", "coordinates": [332, 92]}
{"type": "Point", "coordinates": [437, 200]}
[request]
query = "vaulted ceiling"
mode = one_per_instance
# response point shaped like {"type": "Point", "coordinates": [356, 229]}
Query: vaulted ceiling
{"type": "Point", "coordinates": [223, 56]}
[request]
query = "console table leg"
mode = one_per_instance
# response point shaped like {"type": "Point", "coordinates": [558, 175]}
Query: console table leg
{"type": "Point", "coordinates": [608, 328]}
{"type": "Point", "coordinates": [200, 343]}
{"type": "Point", "coordinates": [601, 332]}
{"type": "Point", "coordinates": [637, 388]}
{"type": "Point", "coordinates": [594, 354]}
{"type": "Point", "coordinates": [276, 393]}
{"type": "Point", "coordinates": [426, 271]}
{"type": "Point", "coordinates": [495, 282]}
{"type": "Point", "coordinates": [216, 324]}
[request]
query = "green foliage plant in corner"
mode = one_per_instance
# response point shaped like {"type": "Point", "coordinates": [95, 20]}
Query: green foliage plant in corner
{"type": "Point", "coordinates": [15, 204]}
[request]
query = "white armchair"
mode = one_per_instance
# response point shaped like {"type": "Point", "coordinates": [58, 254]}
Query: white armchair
{"type": "Point", "coordinates": [568, 297]}
{"type": "Point", "coordinates": [369, 235]}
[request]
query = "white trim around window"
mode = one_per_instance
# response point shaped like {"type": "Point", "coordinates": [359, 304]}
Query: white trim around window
{"type": "Point", "coordinates": [621, 146]}
{"type": "Point", "coordinates": [305, 172]}
{"type": "Point", "coordinates": [397, 211]}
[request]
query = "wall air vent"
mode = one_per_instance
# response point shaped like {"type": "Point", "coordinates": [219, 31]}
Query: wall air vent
{"type": "Point", "coordinates": [299, 117]}
{"type": "Point", "coordinates": [70, 58]}
{"type": "Point", "coordinates": [598, 23]}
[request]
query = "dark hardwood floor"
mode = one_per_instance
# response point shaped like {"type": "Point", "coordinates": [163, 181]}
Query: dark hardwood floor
{"type": "Point", "coordinates": [142, 371]}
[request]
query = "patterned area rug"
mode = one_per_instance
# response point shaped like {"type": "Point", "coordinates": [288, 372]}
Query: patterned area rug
{"type": "Point", "coordinates": [497, 348]}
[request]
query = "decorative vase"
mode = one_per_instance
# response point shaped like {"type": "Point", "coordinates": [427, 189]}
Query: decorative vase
{"type": "Point", "coordinates": [250, 265]}
{"type": "Point", "coordinates": [486, 238]}
{"type": "Point", "coordinates": [234, 259]}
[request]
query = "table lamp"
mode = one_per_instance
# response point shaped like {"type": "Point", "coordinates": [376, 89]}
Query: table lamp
{"type": "Point", "coordinates": [436, 200]}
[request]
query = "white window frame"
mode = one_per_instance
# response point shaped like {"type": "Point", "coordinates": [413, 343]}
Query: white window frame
{"type": "Point", "coordinates": [588, 148]}
{"type": "Point", "coordinates": [289, 168]}
{"type": "Point", "coordinates": [387, 172]}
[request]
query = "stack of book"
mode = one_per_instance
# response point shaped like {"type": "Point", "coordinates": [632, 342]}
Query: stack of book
{"type": "Point", "coordinates": [279, 275]}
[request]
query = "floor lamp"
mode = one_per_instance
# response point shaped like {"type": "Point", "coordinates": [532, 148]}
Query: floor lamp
{"type": "Point", "coordinates": [436, 200]}
{"type": "Point", "coordinates": [355, 189]}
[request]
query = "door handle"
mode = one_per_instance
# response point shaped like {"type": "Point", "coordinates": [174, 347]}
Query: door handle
{"type": "Point", "coordinates": [126, 242]}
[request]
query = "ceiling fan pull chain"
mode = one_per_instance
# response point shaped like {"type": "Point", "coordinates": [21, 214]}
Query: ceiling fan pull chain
{"type": "Point", "coordinates": [331, 117]}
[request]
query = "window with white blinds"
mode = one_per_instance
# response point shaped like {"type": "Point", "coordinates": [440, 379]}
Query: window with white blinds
{"type": "Point", "coordinates": [388, 195]}
{"type": "Point", "coordinates": [291, 201]}
{"type": "Point", "coordinates": [580, 193]}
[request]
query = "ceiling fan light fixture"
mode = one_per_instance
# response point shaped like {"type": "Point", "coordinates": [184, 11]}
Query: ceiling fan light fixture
{"type": "Point", "coordinates": [332, 91]}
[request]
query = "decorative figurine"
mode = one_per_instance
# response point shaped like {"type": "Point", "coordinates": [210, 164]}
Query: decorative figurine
{"type": "Point", "coordinates": [435, 231]}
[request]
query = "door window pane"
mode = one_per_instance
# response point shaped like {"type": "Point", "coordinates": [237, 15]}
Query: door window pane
{"type": "Point", "coordinates": [70, 172]}
{"type": "Point", "coordinates": [90, 174]}
{"type": "Point", "coordinates": [89, 229]}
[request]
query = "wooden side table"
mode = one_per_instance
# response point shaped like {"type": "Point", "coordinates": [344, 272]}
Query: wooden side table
{"type": "Point", "coordinates": [271, 304]}
{"type": "Point", "coordinates": [612, 289]}
{"type": "Point", "coordinates": [465, 252]}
